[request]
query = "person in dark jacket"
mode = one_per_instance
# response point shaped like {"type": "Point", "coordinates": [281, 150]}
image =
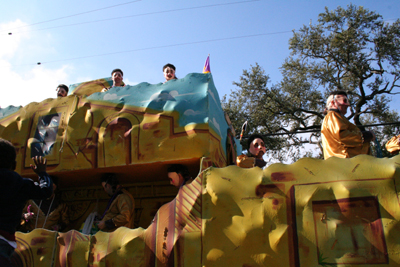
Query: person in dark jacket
{"type": "Point", "coordinates": [14, 192]}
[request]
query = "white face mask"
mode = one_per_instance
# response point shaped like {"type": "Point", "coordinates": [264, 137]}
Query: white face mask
{"type": "Point", "coordinates": [169, 73]}
{"type": "Point", "coordinates": [257, 148]}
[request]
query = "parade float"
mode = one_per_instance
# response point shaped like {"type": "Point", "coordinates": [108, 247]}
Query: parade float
{"type": "Point", "coordinates": [335, 212]}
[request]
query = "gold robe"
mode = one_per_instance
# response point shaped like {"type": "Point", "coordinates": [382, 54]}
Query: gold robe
{"type": "Point", "coordinates": [393, 145]}
{"type": "Point", "coordinates": [121, 211]}
{"type": "Point", "coordinates": [341, 138]}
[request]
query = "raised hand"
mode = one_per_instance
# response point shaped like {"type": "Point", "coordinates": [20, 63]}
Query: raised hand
{"type": "Point", "coordinates": [40, 164]}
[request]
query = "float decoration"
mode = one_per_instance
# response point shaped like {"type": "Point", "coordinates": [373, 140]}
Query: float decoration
{"type": "Point", "coordinates": [341, 212]}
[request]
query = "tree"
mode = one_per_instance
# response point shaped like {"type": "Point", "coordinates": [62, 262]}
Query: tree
{"type": "Point", "coordinates": [349, 49]}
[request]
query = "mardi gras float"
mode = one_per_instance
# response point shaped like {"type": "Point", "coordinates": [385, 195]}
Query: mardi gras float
{"type": "Point", "coordinates": [342, 212]}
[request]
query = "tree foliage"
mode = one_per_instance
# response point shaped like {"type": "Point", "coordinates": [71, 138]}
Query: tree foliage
{"type": "Point", "coordinates": [350, 49]}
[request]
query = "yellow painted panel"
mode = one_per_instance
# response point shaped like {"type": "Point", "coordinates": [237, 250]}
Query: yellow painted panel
{"type": "Point", "coordinates": [337, 212]}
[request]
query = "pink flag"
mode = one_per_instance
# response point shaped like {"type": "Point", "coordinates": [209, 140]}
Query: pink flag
{"type": "Point", "coordinates": [206, 68]}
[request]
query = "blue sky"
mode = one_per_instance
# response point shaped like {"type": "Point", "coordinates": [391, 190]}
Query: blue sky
{"type": "Point", "coordinates": [141, 36]}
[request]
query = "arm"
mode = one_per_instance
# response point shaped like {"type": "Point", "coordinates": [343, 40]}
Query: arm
{"type": "Point", "coordinates": [345, 132]}
{"type": "Point", "coordinates": [125, 208]}
{"type": "Point", "coordinates": [45, 187]}
{"type": "Point", "coordinates": [368, 136]}
{"type": "Point", "coordinates": [393, 145]}
{"type": "Point", "coordinates": [244, 161]}
{"type": "Point", "coordinates": [61, 218]}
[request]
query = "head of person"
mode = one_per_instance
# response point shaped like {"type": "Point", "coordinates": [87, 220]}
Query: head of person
{"type": "Point", "coordinates": [62, 90]}
{"type": "Point", "coordinates": [7, 155]}
{"type": "Point", "coordinates": [338, 100]}
{"type": "Point", "coordinates": [256, 145]}
{"type": "Point", "coordinates": [117, 76]}
{"type": "Point", "coordinates": [169, 72]}
{"type": "Point", "coordinates": [178, 174]}
{"type": "Point", "coordinates": [110, 183]}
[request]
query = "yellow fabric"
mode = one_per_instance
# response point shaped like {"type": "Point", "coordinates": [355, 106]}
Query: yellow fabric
{"type": "Point", "coordinates": [121, 211]}
{"type": "Point", "coordinates": [341, 138]}
{"type": "Point", "coordinates": [393, 145]}
{"type": "Point", "coordinates": [57, 216]}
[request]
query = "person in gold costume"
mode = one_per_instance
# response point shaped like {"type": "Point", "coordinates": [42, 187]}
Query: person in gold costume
{"type": "Point", "coordinates": [120, 210]}
{"type": "Point", "coordinates": [341, 138]}
{"type": "Point", "coordinates": [393, 145]}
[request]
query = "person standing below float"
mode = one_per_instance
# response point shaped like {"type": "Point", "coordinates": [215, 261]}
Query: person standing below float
{"type": "Point", "coordinates": [341, 138]}
{"type": "Point", "coordinates": [14, 192]}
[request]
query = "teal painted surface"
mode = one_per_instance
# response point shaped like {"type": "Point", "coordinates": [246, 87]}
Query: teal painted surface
{"type": "Point", "coordinates": [187, 96]}
{"type": "Point", "coordinates": [194, 97]}
{"type": "Point", "coordinates": [4, 112]}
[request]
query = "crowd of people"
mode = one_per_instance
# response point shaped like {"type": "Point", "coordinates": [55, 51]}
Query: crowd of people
{"type": "Point", "coordinates": [15, 192]}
